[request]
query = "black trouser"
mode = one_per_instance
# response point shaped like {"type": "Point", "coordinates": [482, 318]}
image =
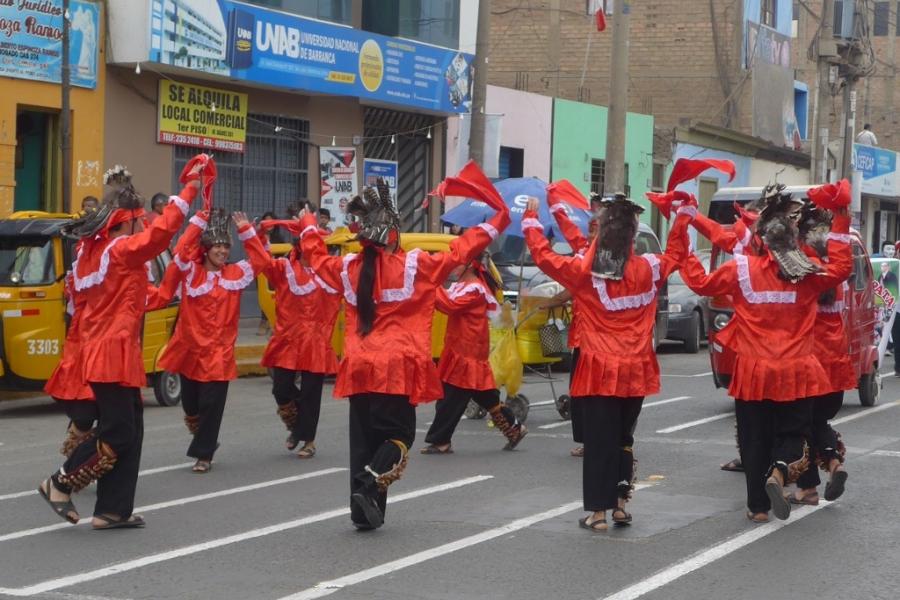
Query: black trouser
{"type": "Point", "coordinates": [770, 434]}
{"type": "Point", "coordinates": [895, 338]}
{"type": "Point", "coordinates": [451, 407]}
{"type": "Point", "coordinates": [206, 400]}
{"type": "Point", "coordinates": [824, 439]}
{"type": "Point", "coordinates": [375, 420]}
{"type": "Point", "coordinates": [575, 409]}
{"type": "Point", "coordinates": [307, 399]}
{"type": "Point", "coordinates": [81, 413]}
{"type": "Point", "coordinates": [609, 424]}
{"type": "Point", "coordinates": [121, 427]}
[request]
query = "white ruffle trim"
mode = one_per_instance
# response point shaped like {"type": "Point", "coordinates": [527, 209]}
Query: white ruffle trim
{"type": "Point", "coordinates": [349, 294]}
{"type": "Point", "coordinates": [840, 237]}
{"type": "Point", "coordinates": [97, 277]}
{"type": "Point", "coordinates": [307, 288]}
{"type": "Point", "coordinates": [182, 204]}
{"type": "Point", "coordinates": [836, 308]}
{"type": "Point", "coordinates": [308, 229]}
{"type": "Point", "coordinates": [531, 223]}
{"type": "Point", "coordinates": [247, 234]}
{"type": "Point", "coordinates": [149, 268]}
{"type": "Point", "coordinates": [214, 277]}
{"type": "Point", "coordinates": [410, 268]}
{"type": "Point", "coordinates": [197, 221]}
{"type": "Point", "coordinates": [183, 265]}
{"type": "Point", "coordinates": [461, 289]}
{"type": "Point", "coordinates": [690, 211]}
{"type": "Point", "coordinates": [635, 300]}
{"type": "Point", "coordinates": [759, 297]}
{"type": "Point", "coordinates": [558, 208]}
{"type": "Point", "coordinates": [490, 229]}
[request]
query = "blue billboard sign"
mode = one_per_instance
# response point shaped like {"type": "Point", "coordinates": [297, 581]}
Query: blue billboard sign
{"type": "Point", "coordinates": [31, 41]}
{"type": "Point", "coordinates": [878, 168]}
{"type": "Point", "coordinates": [254, 44]}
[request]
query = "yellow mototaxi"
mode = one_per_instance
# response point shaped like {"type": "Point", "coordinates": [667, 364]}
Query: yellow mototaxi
{"type": "Point", "coordinates": [34, 259]}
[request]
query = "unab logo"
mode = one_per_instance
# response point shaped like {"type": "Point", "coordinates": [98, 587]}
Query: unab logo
{"type": "Point", "coordinates": [371, 65]}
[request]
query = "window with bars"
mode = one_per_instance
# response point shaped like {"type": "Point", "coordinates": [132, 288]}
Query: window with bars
{"type": "Point", "coordinates": [272, 171]}
{"type": "Point", "coordinates": [881, 19]}
{"type": "Point", "coordinates": [598, 175]}
{"type": "Point", "coordinates": [768, 15]}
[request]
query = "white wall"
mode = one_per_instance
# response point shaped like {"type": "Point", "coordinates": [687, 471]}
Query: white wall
{"type": "Point", "coordinates": [129, 31]}
{"type": "Point", "coordinates": [468, 25]}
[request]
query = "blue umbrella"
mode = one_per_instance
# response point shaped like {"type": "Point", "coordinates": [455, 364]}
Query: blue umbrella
{"type": "Point", "coordinates": [515, 192]}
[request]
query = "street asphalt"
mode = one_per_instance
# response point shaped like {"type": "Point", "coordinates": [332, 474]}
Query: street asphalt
{"type": "Point", "coordinates": [480, 523]}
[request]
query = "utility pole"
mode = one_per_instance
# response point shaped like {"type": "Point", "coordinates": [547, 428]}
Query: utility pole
{"type": "Point", "coordinates": [618, 101]}
{"type": "Point", "coordinates": [479, 90]}
{"type": "Point", "coordinates": [65, 117]}
{"type": "Point", "coordinates": [827, 55]}
{"type": "Point", "coordinates": [849, 127]}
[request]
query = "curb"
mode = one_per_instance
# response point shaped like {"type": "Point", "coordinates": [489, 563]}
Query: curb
{"type": "Point", "coordinates": [247, 358]}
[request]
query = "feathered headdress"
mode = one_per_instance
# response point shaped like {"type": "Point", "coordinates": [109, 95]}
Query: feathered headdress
{"type": "Point", "coordinates": [379, 222]}
{"type": "Point", "coordinates": [618, 227]}
{"type": "Point", "coordinates": [119, 205]}
{"type": "Point", "coordinates": [218, 230]}
{"type": "Point", "coordinates": [778, 230]}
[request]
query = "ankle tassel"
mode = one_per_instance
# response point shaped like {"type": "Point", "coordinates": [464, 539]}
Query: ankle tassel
{"type": "Point", "coordinates": [288, 414]}
{"type": "Point", "coordinates": [826, 455]}
{"type": "Point", "coordinates": [510, 430]}
{"type": "Point", "coordinates": [626, 488]}
{"type": "Point", "coordinates": [99, 464]}
{"type": "Point", "coordinates": [74, 438]}
{"type": "Point", "coordinates": [192, 423]}
{"type": "Point", "coordinates": [385, 479]}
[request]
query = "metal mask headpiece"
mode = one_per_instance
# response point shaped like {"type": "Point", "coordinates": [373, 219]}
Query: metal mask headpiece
{"type": "Point", "coordinates": [218, 230]}
{"type": "Point", "coordinates": [376, 214]}
{"type": "Point", "coordinates": [121, 204]}
{"type": "Point", "coordinates": [617, 222]}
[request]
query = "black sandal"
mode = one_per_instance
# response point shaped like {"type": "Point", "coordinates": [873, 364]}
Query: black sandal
{"type": "Point", "coordinates": [834, 489]}
{"type": "Point", "coordinates": [66, 509]}
{"type": "Point", "coordinates": [596, 527]}
{"type": "Point", "coordinates": [291, 442]}
{"type": "Point", "coordinates": [735, 466]}
{"type": "Point", "coordinates": [626, 520]}
{"type": "Point", "coordinates": [132, 522]}
{"type": "Point", "coordinates": [434, 449]}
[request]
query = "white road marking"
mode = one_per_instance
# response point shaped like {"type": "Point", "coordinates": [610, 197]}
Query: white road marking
{"type": "Point", "coordinates": [708, 373]}
{"type": "Point", "coordinates": [153, 471]}
{"type": "Point", "coordinates": [542, 403]}
{"type": "Point", "coordinates": [866, 412]}
{"type": "Point", "coordinates": [891, 453]}
{"type": "Point", "coordinates": [554, 425]}
{"type": "Point", "coordinates": [705, 557]}
{"type": "Point", "coordinates": [327, 588]}
{"type": "Point", "coordinates": [690, 424]}
{"type": "Point", "coordinates": [179, 502]}
{"type": "Point", "coordinates": [130, 565]}
{"type": "Point", "coordinates": [666, 401]}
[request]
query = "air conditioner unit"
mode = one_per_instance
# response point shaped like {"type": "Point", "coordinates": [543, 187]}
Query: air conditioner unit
{"type": "Point", "coordinates": [844, 19]}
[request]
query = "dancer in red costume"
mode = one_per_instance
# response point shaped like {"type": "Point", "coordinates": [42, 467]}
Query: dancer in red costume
{"type": "Point", "coordinates": [776, 372]}
{"type": "Point", "coordinates": [306, 309]}
{"type": "Point", "coordinates": [464, 368]}
{"type": "Point", "coordinates": [201, 349]}
{"type": "Point", "coordinates": [110, 272]}
{"type": "Point", "coordinates": [390, 297]}
{"type": "Point", "coordinates": [617, 366]}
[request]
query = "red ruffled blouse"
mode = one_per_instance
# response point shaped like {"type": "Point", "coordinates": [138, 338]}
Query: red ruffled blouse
{"type": "Point", "coordinates": [306, 309]}
{"type": "Point", "coordinates": [467, 343]}
{"type": "Point", "coordinates": [832, 344]}
{"type": "Point", "coordinates": [111, 276]}
{"type": "Point", "coordinates": [617, 357]}
{"type": "Point", "coordinates": [395, 357]}
{"type": "Point", "coordinates": [65, 383]}
{"type": "Point", "coordinates": [771, 331]}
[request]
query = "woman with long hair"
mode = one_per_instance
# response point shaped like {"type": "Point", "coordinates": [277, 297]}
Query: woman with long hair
{"type": "Point", "coordinates": [390, 296]}
{"type": "Point", "coordinates": [306, 309]}
{"type": "Point", "coordinates": [201, 349]}
{"type": "Point", "coordinates": [464, 368]}
{"type": "Point", "coordinates": [617, 366]}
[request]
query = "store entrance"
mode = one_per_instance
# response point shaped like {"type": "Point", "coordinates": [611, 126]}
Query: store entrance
{"type": "Point", "coordinates": [35, 172]}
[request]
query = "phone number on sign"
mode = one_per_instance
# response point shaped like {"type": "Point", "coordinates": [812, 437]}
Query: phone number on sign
{"type": "Point", "coordinates": [197, 141]}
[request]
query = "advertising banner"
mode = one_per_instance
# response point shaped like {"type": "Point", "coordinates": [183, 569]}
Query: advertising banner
{"type": "Point", "coordinates": [385, 169]}
{"type": "Point", "coordinates": [31, 41]}
{"type": "Point", "coordinates": [339, 185]}
{"type": "Point", "coordinates": [201, 117]}
{"type": "Point", "coordinates": [255, 44]}
{"type": "Point", "coordinates": [878, 168]}
{"type": "Point", "coordinates": [887, 275]}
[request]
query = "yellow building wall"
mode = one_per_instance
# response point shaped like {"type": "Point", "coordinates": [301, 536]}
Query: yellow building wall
{"type": "Point", "coordinates": [87, 132]}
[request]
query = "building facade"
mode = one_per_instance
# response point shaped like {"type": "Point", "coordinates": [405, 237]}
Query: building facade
{"type": "Point", "coordinates": [30, 102]}
{"type": "Point", "coordinates": [297, 100]}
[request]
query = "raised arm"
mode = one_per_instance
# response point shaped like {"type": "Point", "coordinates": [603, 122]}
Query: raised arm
{"type": "Point", "coordinates": [840, 257]}
{"type": "Point", "coordinates": [135, 250]}
{"type": "Point", "coordinates": [187, 244]}
{"type": "Point", "coordinates": [160, 297]}
{"type": "Point", "coordinates": [464, 249]}
{"type": "Point", "coordinates": [726, 239]}
{"type": "Point", "coordinates": [567, 270]}
{"type": "Point", "coordinates": [570, 230]}
{"type": "Point", "coordinates": [719, 282]}
{"type": "Point", "coordinates": [257, 256]}
{"type": "Point", "coordinates": [328, 268]}
{"type": "Point", "coordinates": [678, 243]}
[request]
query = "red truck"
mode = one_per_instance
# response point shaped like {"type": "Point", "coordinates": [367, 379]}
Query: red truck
{"type": "Point", "coordinates": [860, 312]}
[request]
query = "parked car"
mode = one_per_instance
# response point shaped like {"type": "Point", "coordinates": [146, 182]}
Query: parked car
{"type": "Point", "coordinates": [34, 258]}
{"type": "Point", "coordinates": [860, 311]}
{"type": "Point", "coordinates": [686, 322]}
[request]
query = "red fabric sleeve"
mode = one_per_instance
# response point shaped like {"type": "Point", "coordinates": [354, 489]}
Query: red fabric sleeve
{"type": "Point", "coordinates": [137, 249]}
{"type": "Point", "coordinates": [313, 247]}
{"type": "Point", "coordinates": [715, 233]}
{"type": "Point", "coordinates": [259, 258]}
{"type": "Point", "coordinates": [448, 305]}
{"type": "Point", "coordinates": [676, 247]}
{"type": "Point", "coordinates": [570, 230]}
{"type": "Point", "coordinates": [567, 270]}
{"type": "Point", "coordinates": [463, 249]}
{"type": "Point", "coordinates": [160, 297]}
{"type": "Point", "coordinates": [840, 257]}
{"type": "Point", "coordinates": [719, 282]}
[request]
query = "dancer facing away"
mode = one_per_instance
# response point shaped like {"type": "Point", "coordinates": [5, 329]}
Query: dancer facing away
{"type": "Point", "coordinates": [776, 372]}
{"type": "Point", "coordinates": [201, 349]}
{"type": "Point", "coordinates": [306, 309]}
{"type": "Point", "coordinates": [617, 366]}
{"type": "Point", "coordinates": [387, 367]}
{"type": "Point", "coordinates": [110, 272]}
{"type": "Point", "coordinates": [464, 368]}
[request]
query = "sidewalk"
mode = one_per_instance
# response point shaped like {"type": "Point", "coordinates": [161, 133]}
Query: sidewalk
{"type": "Point", "coordinates": [250, 346]}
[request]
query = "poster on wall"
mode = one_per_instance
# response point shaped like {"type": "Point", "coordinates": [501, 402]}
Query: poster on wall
{"type": "Point", "coordinates": [252, 43]}
{"type": "Point", "coordinates": [31, 41]}
{"type": "Point", "coordinates": [337, 167]}
{"type": "Point", "coordinates": [887, 289]}
{"type": "Point", "coordinates": [201, 117]}
{"type": "Point", "coordinates": [385, 169]}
